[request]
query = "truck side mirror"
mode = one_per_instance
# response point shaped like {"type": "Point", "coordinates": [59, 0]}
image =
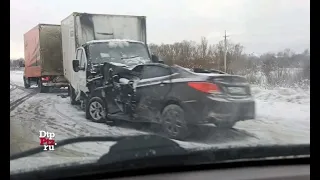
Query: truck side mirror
{"type": "Point", "coordinates": [75, 65]}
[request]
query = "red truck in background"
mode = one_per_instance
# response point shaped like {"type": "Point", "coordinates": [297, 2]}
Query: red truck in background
{"type": "Point", "coordinates": [43, 57]}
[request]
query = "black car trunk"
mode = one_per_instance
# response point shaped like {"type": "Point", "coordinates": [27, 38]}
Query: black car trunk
{"type": "Point", "coordinates": [236, 86]}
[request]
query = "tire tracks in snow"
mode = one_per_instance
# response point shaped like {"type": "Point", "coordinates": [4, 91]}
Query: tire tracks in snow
{"type": "Point", "coordinates": [24, 133]}
{"type": "Point", "coordinates": [13, 87]}
{"type": "Point", "coordinates": [16, 86]}
{"type": "Point", "coordinates": [19, 101]}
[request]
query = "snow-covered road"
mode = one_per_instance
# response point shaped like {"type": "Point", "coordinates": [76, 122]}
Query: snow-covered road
{"type": "Point", "coordinates": [283, 116]}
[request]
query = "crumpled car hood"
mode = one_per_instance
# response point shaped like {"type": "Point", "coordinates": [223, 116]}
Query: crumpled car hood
{"type": "Point", "coordinates": [123, 65]}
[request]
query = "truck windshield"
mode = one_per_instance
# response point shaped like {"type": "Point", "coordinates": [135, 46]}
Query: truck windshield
{"type": "Point", "coordinates": [128, 53]}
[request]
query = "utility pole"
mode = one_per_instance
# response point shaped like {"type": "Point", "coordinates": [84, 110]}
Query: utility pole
{"type": "Point", "coordinates": [225, 50]}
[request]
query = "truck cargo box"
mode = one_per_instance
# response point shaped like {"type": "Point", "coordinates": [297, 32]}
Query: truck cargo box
{"type": "Point", "coordinates": [42, 51]}
{"type": "Point", "coordinates": [79, 28]}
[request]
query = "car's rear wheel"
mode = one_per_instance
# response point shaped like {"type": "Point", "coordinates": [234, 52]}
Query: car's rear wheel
{"type": "Point", "coordinates": [96, 110]}
{"type": "Point", "coordinates": [173, 122]}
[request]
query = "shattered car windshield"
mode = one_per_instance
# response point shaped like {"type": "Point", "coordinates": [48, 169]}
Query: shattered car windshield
{"type": "Point", "coordinates": [128, 53]}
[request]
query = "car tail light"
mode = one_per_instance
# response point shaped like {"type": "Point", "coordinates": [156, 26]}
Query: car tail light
{"type": "Point", "coordinates": [45, 78]}
{"type": "Point", "coordinates": [205, 87]}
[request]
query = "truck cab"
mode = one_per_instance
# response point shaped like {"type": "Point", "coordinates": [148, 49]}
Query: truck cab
{"type": "Point", "coordinates": [91, 55]}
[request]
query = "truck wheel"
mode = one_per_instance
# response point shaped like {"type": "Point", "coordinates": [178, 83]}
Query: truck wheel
{"type": "Point", "coordinates": [43, 89]}
{"type": "Point", "coordinates": [72, 95]}
{"type": "Point", "coordinates": [26, 82]}
{"type": "Point", "coordinates": [173, 122]}
{"type": "Point", "coordinates": [96, 110]}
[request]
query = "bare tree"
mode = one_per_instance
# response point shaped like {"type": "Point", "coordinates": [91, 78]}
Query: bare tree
{"type": "Point", "coordinates": [204, 55]}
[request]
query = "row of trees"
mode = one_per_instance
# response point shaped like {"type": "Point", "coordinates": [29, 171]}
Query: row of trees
{"type": "Point", "coordinates": [284, 68]}
{"type": "Point", "coordinates": [16, 63]}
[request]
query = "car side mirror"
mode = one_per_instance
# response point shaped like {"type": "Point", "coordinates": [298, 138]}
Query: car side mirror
{"type": "Point", "coordinates": [75, 65]}
{"type": "Point", "coordinates": [154, 58]}
{"type": "Point", "coordinates": [161, 61]}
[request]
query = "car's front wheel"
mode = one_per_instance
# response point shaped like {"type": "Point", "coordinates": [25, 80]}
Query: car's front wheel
{"type": "Point", "coordinates": [173, 122]}
{"type": "Point", "coordinates": [96, 110]}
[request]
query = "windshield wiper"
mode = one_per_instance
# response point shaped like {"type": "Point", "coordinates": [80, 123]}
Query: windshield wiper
{"type": "Point", "coordinates": [129, 57]}
{"type": "Point", "coordinates": [153, 151]}
{"type": "Point", "coordinates": [150, 145]}
{"type": "Point", "coordinates": [138, 144]}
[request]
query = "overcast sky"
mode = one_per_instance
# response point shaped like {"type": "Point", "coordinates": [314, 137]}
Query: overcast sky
{"type": "Point", "coordinates": [260, 25]}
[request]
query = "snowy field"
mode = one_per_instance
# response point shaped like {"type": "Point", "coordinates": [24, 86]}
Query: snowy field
{"type": "Point", "coordinates": [283, 117]}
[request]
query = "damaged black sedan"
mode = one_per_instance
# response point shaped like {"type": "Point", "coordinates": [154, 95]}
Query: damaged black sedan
{"type": "Point", "coordinates": [172, 96]}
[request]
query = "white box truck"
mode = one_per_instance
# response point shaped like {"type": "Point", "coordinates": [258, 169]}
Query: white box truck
{"type": "Point", "coordinates": [90, 39]}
